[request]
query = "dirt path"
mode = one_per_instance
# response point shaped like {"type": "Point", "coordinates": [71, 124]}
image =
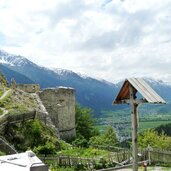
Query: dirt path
{"type": "Point", "coordinates": [5, 94]}
{"type": "Point", "coordinates": [2, 97]}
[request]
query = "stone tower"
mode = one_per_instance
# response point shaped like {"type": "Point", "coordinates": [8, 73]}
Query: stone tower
{"type": "Point", "coordinates": [60, 104]}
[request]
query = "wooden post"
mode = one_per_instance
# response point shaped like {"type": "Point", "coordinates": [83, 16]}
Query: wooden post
{"type": "Point", "coordinates": [149, 157]}
{"type": "Point", "coordinates": [134, 129]}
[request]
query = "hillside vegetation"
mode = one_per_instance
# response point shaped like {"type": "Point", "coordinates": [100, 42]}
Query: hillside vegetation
{"type": "Point", "coordinates": [34, 134]}
{"type": "Point", "coordinates": [17, 102]}
{"type": "Point", "coordinates": [3, 80]}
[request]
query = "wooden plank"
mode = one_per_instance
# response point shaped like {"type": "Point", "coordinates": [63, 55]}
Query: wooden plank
{"type": "Point", "coordinates": [153, 93]}
{"type": "Point", "coordinates": [142, 87]}
{"type": "Point", "coordinates": [146, 91]}
{"type": "Point", "coordinates": [134, 130]}
{"type": "Point", "coordinates": [142, 90]}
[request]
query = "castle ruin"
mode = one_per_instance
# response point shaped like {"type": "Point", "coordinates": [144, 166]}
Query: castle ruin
{"type": "Point", "coordinates": [29, 88]}
{"type": "Point", "coordinates": [60, 104]}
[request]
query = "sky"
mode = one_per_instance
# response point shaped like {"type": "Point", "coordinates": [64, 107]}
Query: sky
{"type": "Point", "coordinates": [107, 39]}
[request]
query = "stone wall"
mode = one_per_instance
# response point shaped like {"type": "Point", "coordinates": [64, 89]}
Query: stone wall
{"type": "Point", "coordinates": [60, 104]}
{"type": "Point", "coordinates": [29, 88]}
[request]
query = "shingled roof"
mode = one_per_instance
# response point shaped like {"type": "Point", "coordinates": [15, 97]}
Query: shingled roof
{"type": "Point", "coordinates": [139, 85]}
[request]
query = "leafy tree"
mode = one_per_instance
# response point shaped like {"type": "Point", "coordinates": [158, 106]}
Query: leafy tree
{"type": "Point", "coordinates": [108, 138]}
{"type": "Point", "coordinates": [164, 128]}
{"type": "Point", "coordinates": [85, 125]}
{"type": "Point", "coordinates": [155, 140]}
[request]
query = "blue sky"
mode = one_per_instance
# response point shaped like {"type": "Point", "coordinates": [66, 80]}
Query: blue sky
{"type": "Point", "coordinates": [109, 39]}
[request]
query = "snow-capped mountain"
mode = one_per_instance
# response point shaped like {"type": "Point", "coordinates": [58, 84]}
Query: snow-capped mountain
{"type": "Point", "coordinates": [61, 71]}
{"type": "Point", "coordinates": [153, 81]}
{"type": "Point", "coordinates": [19, 78]}
{"type": "Point", "coordinates": [13, 60]}
{"type": "Point", "coordinates": [90, 92]}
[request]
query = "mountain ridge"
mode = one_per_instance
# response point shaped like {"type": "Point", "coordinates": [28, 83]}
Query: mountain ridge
{"type": "Point", "coordinates": [94, 93]}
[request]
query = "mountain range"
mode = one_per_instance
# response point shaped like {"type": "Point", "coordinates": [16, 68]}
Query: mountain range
{"type": "Point", "coordinates": [90, 92]}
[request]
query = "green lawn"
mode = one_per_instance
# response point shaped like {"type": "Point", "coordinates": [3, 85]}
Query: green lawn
{"type": "Point", "coordinates": [151, 124]}
{"type": "Point", "coordinates": [126, 127]}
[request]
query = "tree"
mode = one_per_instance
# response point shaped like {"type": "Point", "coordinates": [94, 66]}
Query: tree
{"type": "Point", "coordinates": [85, 125]}
{"type": "Point", "coordinates": [155, 140]}
{"type": "Point", "coordinates": [164, 128]}
{"type": "Point", "coordinates": [108, 138]}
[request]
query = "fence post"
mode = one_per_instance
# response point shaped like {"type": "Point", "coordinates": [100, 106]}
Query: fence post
{"type": "Point", "coordinates": [149, 155]}
{"type": "Point", "coordinates": [69, 161]}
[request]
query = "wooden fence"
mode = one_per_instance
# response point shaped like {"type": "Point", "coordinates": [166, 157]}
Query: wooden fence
{"type": "Point", "coordinates": [118, 158]}
{"type": "Point", "coordinates": [6, 147]}
{"type": "Point", "coordinates": [114, 161]}
{"type": "Point", "coordinates": [69, 161]}
{"type": "Point", "coordinates": [159, 156]}
{"type": "Point", "coordinates": [14, 118]}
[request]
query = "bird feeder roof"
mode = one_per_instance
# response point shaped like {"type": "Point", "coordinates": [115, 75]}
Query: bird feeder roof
{"type": "Point", "coordinates": [139, 85]}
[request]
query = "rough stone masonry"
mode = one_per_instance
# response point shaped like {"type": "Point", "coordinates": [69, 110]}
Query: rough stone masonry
{"type": "Point", "coordinates": [60, 104]}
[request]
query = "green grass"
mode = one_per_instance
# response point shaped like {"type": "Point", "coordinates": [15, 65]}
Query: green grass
{"type": "Point", "coordinates": [1, 111]}
{"type": "Point", "coordinates": [1, 93]}
{"type": "Point", "coordinates": [151, 124]}
{"type": "Point", "coordinates": [6, 102]}
{"type": "Point", "coordinates": [2, 153]}
{"type": "Point", "coordinates": [84, 152]}
{"type": "Point", "coordinates": [17, 109]}
{"type": "Point", "coordinates": [17, 102]}
{"type": "Point", "coordinates": [124, 122]}
{"type": "Point", "coordinates": [61, 169]}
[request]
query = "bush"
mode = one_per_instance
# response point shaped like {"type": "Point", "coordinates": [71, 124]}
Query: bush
{"type": "Point", "coordinates": [48, 148]}
{"type": "Point", "coordinates": [32, 135]}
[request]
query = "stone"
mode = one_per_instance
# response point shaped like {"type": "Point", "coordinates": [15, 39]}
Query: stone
{"type": "Point", "coordinates": [29, 88]}
{"type": "Point", "coordinates": [60, 104]}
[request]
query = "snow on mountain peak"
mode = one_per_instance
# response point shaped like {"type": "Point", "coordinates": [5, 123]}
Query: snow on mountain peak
{"type": "Point", "coordinates": [62, 71]}
{"type": "Point", "coordinates": [13, 60]}
{"type": "Point", "coordinates": [156, 82]}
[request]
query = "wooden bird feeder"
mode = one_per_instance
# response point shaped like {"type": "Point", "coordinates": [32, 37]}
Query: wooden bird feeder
{"type": "Point", "coordinates": [127, 94]}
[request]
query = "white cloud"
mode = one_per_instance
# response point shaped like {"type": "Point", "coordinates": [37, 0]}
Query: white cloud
{"type": "Point", "coordinates": [111, 39]}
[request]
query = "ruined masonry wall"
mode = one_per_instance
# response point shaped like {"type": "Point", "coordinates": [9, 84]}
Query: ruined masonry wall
{"type": "Point", "coordinates": [60, 104]}
{"type": "Point", "coordinates": [29, 88]}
